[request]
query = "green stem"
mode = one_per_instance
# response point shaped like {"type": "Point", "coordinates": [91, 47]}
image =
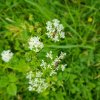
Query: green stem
{"type": "Point", "coordinates": [70, 46]}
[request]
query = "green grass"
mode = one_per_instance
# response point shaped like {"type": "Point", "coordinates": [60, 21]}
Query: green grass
{"type": "Point", "coordinates": [81, 79]}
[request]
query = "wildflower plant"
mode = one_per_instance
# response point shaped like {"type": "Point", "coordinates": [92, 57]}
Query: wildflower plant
{"type": "Point", "coordinates": [38, 76]}
{"type": "Point", "coordinates": [49, 50]}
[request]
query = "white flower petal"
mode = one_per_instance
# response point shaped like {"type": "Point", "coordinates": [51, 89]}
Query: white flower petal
{"type": "Point", "coordinates": [6, 55]}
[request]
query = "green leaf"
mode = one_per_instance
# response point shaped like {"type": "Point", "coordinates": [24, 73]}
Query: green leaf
{"type": "Point", "coordinates": [4, 82]}
{"type": "Point", "coordinates": [59, 95]}
{"type": "Point", "coordinates": [68, 46]}
{"type": "Point", "coordinates": [22, 66]}
{"type": "Point", "coordinates": [12, 77]}
{"type": "Point", "coordinates": [12, 89]}
{"type": "Point", "coordinates": [60, 77]}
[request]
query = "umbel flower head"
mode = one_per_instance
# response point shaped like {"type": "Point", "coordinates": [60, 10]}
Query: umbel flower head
{"type": "Point", "coordinates": [6, 55]}
{"type": "Point", "coordinates": [36, 82]}
{"type": "Point", "coordinates": [55, 63]}
{"type": "Point", "coordinates": [35, 44]}
{"type": "Point", "coordinates": [55, 30]}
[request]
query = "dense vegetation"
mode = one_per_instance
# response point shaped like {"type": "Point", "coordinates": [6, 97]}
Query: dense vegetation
{"type": "Point", "coordinates": [22, 19]}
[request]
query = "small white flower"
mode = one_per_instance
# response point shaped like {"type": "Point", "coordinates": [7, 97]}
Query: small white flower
{"type": "Point", "coordinates": [43, 64]}
{"type": "Point", "coordinates": [39, 74]}
{"type": "Point", "coordinates": [45, 86]}
{"type": "Point", "coordinates": [29, 75]}
{"type": "Point", "coordinates": [36, 80]}
{"type": "Point", "coordinates": [49, 26]}
{"type": "Point", "coordinates": [30, 88]}
{"type": "Point", "coordinates": [56, 38]}
{"type": "Point", "coordinates": [62, 55]}
{"type": "Point", "coordinates": [39, 89]}
{"type": "Point", "coordinates": [49, 66]}
{"type": "Point", "coordinates": [48, 34]}
{"type": "Point", "coordinates": [6, 55]}
{"type": "Point", "coordinates": [53, 72]}
{"type": "Point", "coordinates": [49, 55]}
{"type": "Point", "coordinates": [57, 68]}
{"type": "Point", "coordinates": [62, 34]}
{"type": "Point", "coordinates": [60, 28]}
{"type": "Point", "coordinates": [56, 61]}
{"type": "Point", "coordinates": [34, 43]}
{"type": "Point", "coordinates": [56, 22]}
{"type": "Point", "coordinates": [49, 23]}
{"type": "Point", "coordinates": [63, 67]}
{"type": "Point", "coordinates": [35, 85]}
{"type": "Point", "coordinates": [30, 82]}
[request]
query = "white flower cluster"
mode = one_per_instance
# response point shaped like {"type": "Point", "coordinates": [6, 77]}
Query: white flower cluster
{"type": "Point", "coordinates": [36, 82]}
{"type": "Point", "coordinates": [49, 55]}
{"type": "Point", "coordinates": [6, 55]}
{"type": "Point", "coordinates": [55, 30]}
{"type": "Point", "coordinates": [35, 44]}
{"type": "Point", "coordinates": [57, 60]}
{"type": "Point", "coordinates": [55, 63]}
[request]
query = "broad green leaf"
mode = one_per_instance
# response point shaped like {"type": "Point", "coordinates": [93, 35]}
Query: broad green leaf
{"type": "Point", "coordinates": [12, 77]}
{"type": "Point", "coordinates": [4, 82]}
{"type": "Point", "coordinates": [12, 89]}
